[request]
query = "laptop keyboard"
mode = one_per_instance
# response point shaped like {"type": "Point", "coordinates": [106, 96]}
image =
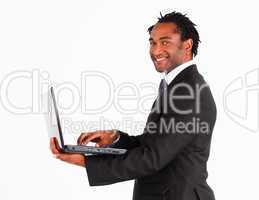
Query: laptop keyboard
{"type": "Point", "coordinates": [106, 150]}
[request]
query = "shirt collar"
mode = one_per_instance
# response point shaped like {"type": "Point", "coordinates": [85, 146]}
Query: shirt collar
{"type": "Point", "coordinates": [169, 77]}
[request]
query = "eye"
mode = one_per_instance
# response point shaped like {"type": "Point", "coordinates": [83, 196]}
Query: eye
{"type": "Point", "coordinates": [165, 43]}
{"type": "Point", "coordinates": [151, 43]}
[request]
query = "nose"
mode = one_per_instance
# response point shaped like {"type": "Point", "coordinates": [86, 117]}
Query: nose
{"type": "Point", "coordinates": [156, 50]}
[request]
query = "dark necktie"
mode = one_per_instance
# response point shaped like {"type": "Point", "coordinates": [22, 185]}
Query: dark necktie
{"type": "Point", "coordinates": [157, 106]}
{"type": "Point", "coordinates": [162, 87]}
{"type": "Point", "coordinates": [162, 94]}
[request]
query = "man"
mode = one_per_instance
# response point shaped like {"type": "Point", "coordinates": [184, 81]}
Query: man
{"type": "Point", "coordinates": [167, 161]}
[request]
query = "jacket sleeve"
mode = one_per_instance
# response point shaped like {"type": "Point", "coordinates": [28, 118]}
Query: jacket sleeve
{"type": "Point", "coordinates": [154, 153]}
{"type": "Point", "coordinates": [126, 142]}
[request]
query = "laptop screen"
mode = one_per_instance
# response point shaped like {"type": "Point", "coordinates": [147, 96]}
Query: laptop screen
{"type": "Point", "coordinates": [57, 116]}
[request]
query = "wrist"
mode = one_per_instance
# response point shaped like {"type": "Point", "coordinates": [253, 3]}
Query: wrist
{"type": "Point", "coordinates": [82, 161]}
{"type": "Point", "coordinates": [115, 135]}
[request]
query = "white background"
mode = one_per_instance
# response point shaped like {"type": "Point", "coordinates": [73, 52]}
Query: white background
{"type": "Point", "coordinates": [65, 38]}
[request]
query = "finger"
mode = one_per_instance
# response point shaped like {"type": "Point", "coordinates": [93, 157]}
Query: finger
{"type": "Point", "coordinates": [100, 144]}
{"type": "Point", "coordinates": [91, 138]}
{"type": "Point", "coordinates": [96, 140]}
{"type": "Point", "coordinates": [67, 157]}
{"type": "Point", "coordinates": [53, 147]}
{"type": "Point", "coordinates": [79, 138]}
{"type": "Point", "coordinates": [57, 145]}
{"type": "Point", "coordinates": [82, 137]}
{"type": "Point", "coordinates": [63, 157]}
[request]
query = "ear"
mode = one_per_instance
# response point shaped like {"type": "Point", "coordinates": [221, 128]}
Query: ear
{"type": "Point", "coordinates": [187, 45]}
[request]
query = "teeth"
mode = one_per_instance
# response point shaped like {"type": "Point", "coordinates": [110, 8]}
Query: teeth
{"type": "Point", "coordinates": [160, 59]}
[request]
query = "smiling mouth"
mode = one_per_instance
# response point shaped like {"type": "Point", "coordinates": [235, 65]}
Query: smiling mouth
{"type": "Point", "coordinates": [157, 60]}
{"type": "Point", "coordinates": [160, 59]}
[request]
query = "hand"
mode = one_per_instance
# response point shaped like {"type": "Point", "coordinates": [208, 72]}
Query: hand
{"type": "Point", "coordinates": [101, 138]}
{"type": "Point", "coordinates": [76, 159]}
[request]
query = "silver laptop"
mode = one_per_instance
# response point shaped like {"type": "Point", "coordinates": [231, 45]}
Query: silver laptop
{"type": "Point", "coordinates": [80, 148]}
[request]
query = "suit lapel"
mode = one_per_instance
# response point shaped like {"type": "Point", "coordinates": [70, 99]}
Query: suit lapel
{"type": "Point", "coordinates": [157, 107]}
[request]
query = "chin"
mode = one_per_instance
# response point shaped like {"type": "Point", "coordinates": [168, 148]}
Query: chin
{"type": "Point", "coordinates": [161, 68]}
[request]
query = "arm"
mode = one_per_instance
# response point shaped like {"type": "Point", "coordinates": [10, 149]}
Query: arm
{"type": "Point", "coordinates": [155, 152]}
{"type": "Point", "coordinates": [125, 141]}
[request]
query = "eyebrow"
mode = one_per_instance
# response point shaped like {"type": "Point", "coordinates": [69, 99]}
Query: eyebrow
{"type": "Point", "coordinates": [162, 38]}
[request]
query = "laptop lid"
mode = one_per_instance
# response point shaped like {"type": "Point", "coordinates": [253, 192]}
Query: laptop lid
{"type": "Point", "coordinates": [57, 116]}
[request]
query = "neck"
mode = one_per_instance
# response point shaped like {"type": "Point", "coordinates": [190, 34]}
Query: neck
{"type": "Point", "coordinates": [183, 61]}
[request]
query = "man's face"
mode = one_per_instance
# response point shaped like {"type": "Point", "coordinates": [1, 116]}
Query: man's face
{"type": "Point", "coordinates": [166, 47]}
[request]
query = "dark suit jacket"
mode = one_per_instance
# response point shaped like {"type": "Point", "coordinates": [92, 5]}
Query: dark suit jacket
{"type": "Point", "coordinates": [166, 163]}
